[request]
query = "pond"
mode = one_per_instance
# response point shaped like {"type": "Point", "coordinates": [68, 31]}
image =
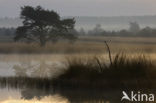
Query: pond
{"type": "Point", "coordinates": [42, 65]}
{"type": "Point", "coordinates": [28, 95]}
{"type": "Point", "coordinates": [47, 66]}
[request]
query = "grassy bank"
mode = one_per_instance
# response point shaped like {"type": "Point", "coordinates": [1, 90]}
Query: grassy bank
{"type": "Point", "coordinates": [94, 73]}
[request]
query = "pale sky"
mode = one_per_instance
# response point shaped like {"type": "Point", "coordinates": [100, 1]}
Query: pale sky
{"type": "Point", "coordinates": [11, 8]}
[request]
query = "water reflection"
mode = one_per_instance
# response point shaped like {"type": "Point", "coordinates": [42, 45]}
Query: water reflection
{"type": "Point", "coordinates": [57, 95]}
{"type": "Point", "coordinates": [49, 99]}
{"type": "Point", "coordinates": [18, 96]}
{"type": "Point", "coordinates": [38, 95]}
{"type": "Point", "coordinates": [38, 69]}
{"type": "Point", "coordinates": [66, 96]}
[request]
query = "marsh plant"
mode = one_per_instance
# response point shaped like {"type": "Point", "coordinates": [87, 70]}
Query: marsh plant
{"type": "Point", "coordinates": [128, 72]}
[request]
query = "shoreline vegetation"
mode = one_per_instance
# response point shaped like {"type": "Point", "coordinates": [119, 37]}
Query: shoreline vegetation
{"type": "Point", "coordinates": [93, 73]}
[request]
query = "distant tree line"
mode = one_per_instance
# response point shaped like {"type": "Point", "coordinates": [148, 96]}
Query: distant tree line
{"type": "Point", "coordinates": [7, 31]}
{"type": "Point", "coordinates": [134, 30]}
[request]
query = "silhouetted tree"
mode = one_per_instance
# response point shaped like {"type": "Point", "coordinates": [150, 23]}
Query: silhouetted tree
{"type": "Point", "coordinates": [97, 30]}
{"type": "Point", "coordinates": [134, 27]}
{"type": "Point", "coordinates": [147, 31]}
{"type": "Point", "coordinates": [43, 25]}
{"type": "Point", "coordinates": [82, 31]}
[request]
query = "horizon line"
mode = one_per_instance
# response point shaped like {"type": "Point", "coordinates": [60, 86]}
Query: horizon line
{"type": "Point", "coordinates": [8, 17]}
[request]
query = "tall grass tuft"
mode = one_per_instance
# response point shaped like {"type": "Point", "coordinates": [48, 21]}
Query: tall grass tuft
{"type": "Point", "coordinates": [124, 71]}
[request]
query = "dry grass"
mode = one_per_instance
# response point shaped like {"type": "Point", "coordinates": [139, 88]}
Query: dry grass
{"type": "Point", "coordinates": [85, 45]}
{"type": "Point", "coordinates": [60, 47]}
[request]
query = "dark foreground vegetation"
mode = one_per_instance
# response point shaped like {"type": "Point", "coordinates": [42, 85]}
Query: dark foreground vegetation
{"type": "Point", "coordinates": [94, 73]}
{"type": "Point", "coordinates": [124, 72]}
